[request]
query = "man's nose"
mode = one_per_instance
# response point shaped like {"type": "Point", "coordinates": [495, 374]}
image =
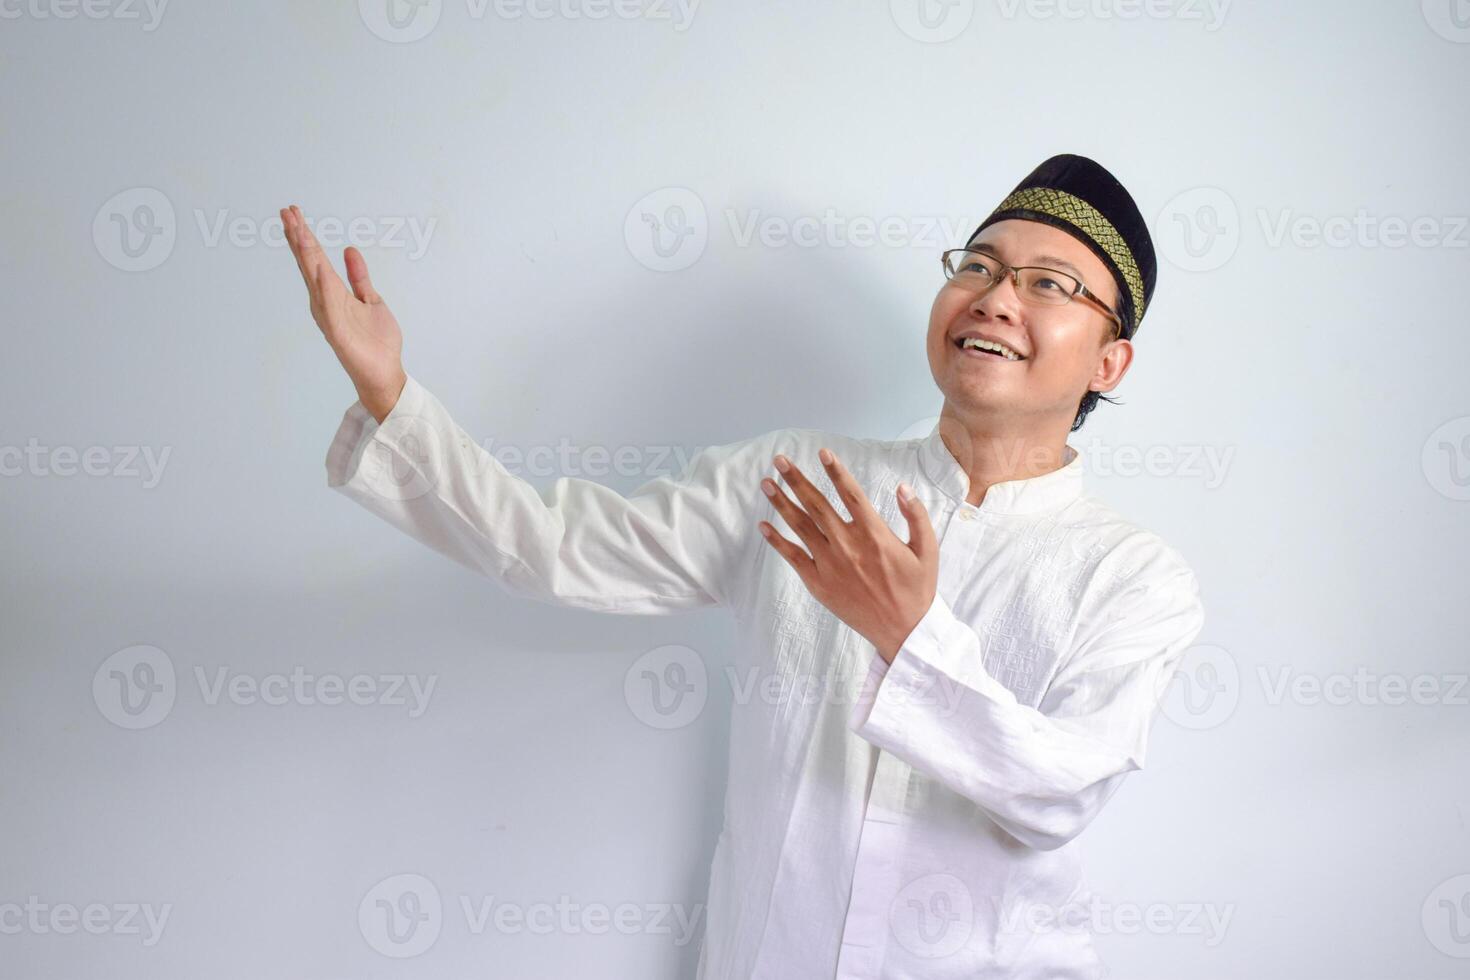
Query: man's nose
{"type": "Point", "coordinates": [999, 302]}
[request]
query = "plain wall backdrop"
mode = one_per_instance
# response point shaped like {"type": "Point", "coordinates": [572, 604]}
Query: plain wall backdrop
{"type": "Point", "coordinates": [614, 233]}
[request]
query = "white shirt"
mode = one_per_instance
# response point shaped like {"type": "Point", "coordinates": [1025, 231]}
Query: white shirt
{"type": "Point", "coordinates": [913, 820]}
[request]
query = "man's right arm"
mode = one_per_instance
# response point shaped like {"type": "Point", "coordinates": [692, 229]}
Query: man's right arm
{"type": "Point", "coordinates": [675, 543]}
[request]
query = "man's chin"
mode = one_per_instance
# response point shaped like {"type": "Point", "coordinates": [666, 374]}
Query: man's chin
{"type": "Point", "coordinates": [981, 393]}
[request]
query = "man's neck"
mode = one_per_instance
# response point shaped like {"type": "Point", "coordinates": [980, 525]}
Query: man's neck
{"type": "Point", "coordinates": [992, 451]}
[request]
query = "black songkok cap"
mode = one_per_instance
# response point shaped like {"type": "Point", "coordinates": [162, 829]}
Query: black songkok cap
{"type": "Point", "coordinates": [1080, 197]}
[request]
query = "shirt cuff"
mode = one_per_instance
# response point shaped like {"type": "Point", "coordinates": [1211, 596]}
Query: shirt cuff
{"type": "Point", "coordinates": [939, 661]}
{"type": "Point", "coordinates": [359, 431]}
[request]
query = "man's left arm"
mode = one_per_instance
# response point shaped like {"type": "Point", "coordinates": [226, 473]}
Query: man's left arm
{"type": "Point", "coordinates": [1041, 773]}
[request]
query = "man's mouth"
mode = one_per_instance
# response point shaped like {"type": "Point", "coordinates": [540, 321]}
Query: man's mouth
{"type": "Point", "coordinates": [987, 348]}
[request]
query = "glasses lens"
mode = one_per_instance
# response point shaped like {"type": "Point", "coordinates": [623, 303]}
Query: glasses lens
{"type": "Point", "coordinates": [972, 269]}
{"type": "Point", "coordinates": [1047, 287]}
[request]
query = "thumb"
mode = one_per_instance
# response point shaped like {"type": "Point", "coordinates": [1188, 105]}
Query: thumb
{"type": "Point", "coordinates": [357, 274]}
{"type": "Point", "coordinates": [921, 529]}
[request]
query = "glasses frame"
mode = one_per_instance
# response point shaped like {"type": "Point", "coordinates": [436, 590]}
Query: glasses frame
{"type": "Point", "coordinates": [1011, 272]}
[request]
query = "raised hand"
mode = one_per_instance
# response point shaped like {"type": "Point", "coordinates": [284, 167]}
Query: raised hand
{"type": "Point", "coordinates": [869, 577]}
{"type": "Point", "coordinates": [357, 324]}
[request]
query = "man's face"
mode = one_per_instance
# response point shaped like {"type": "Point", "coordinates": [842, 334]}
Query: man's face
{"type": "Point", "coordinates": [1065, 349]}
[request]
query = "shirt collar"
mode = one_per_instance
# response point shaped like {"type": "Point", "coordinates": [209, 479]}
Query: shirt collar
{"type": "Point", "coordinates": [1032, 495]}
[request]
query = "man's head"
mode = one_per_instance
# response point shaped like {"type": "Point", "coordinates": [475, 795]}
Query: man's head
{"type": "Point", "coordinates": [1072, 217]}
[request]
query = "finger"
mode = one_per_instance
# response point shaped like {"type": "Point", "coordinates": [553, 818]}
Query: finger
{"type": "Point", "coordinates": [922, 541]}
{"type": "Point", "coordinates": [795, 557]}
{"type": "Point", "coordinates": [328, 298]}
{"type": "Point", "coordinates": [357, 275]}
{"type": "Point", "coordinates": [309, 251]}
{"type": "Point", "coordinates": [288, 224]}
{"type": "Point", "coordinates": [294, 227]}
{"type": "Point", "coordinates": [811, 498]}
{"type": "Point", "coordinates": [856, 501]}
{"type": "Point", "coordinates": [797, 519]}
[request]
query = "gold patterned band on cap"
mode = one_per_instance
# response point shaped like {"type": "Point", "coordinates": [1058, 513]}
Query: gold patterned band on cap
{"type": "Point", "coordinates": [1075, 211]}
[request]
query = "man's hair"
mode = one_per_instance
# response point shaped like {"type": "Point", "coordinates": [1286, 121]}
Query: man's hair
{"type": "Point", "coordinates": [1089, 402]}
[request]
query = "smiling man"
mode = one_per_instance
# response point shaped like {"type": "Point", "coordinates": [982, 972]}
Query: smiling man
{"type": "Point", "coordinates": [986, 642]}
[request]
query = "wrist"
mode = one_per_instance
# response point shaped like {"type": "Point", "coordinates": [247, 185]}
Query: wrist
{"type": "Point", "coordinates": [380, 399]}
{"type": "Point", "coordinates": [890, 645]}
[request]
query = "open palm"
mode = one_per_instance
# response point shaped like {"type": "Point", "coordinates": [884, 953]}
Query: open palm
{"type": "Point", "coordinates": [357, 324]}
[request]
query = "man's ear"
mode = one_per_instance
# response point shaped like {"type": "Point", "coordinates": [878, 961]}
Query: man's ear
{"type": "Point", "coordinates": [1117, 356]}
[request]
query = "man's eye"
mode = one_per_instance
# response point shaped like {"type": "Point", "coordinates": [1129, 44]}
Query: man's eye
{"type": "Point", "coordinates": [979, 267]}
{"type": "Point", "coordinates": [1048, 284]}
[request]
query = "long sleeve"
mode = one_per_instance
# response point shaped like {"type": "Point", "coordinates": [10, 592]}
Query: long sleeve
{"type": "Point", "coordinates": [1041, 773]}
{"type": "Point", "coordinates": [674, 543]}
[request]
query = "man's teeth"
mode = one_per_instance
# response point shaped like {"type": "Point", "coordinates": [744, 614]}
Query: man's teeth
{"type": "Point", "coordinates": [991, 345]}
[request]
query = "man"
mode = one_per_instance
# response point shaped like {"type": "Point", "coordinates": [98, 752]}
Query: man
{"type": "Point", "coordinates": [989, 643]}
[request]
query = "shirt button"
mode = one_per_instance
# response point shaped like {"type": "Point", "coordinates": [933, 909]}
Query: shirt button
{"type": "Point", "coordinates": [967, 515]}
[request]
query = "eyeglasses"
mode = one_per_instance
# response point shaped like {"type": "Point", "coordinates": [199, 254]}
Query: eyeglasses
{"type": "Point", "coordinates": [978, 271]}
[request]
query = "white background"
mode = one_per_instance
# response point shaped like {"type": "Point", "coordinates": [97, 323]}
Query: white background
{"type": "Point", "coordinates": [1328, 373]}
